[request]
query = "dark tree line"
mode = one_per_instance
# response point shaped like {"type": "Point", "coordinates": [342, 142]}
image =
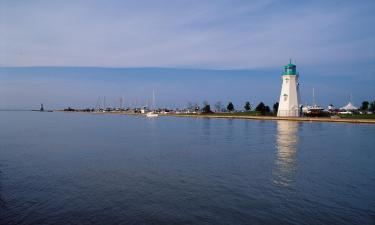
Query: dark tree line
{"type": "Point", "coordinates": [230, 107]}
{"type": "Point", "coordinates": [206, 107]}
{"type": "Point", "coordinates": [368, 106]}
{"type": "Point", "coordinates": [247, 106]}
{"type": "Point", "coordinates": [372, 106]}
{"type": "Point", "coordinates": [275, 107]}
{"type": "Point", "coordinates": [261, 107]}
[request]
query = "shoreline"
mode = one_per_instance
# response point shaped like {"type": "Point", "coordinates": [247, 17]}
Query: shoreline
{"type": "Point", "coordinates": [275, 118]}
{"type": "Point", "coordinates": [228, 116]}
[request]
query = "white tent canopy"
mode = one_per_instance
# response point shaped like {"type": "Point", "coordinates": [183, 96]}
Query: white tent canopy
{"type": "Point", "coordinates": [349, 107]}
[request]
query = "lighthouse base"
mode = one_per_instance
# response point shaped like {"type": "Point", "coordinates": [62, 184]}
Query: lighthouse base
{"type": "Point", "coordinates": [288, 113]}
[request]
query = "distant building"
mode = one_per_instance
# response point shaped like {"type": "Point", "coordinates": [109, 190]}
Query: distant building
{"type": "Point", "coordinates": [289, 97]}
{"type": "Point", "coordinates": [349, 108]}
{"type": "Point", "coordinates": [144, 110]}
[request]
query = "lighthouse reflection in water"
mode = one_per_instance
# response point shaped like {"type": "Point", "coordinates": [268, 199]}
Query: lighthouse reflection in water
{"type": "Point", "coordinates": [286, 147]}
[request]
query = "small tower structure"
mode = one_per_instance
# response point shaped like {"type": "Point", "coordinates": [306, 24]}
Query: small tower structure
{"type": "Point", "coordinates": [41, 107]}
{"type": "Point", "coordinates": [289, 97]}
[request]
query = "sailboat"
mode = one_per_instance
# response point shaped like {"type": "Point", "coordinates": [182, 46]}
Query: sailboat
{"type": "Point", "coordinates": [313, 109]}
{"type": "Point", "coordinates": [152, 114]}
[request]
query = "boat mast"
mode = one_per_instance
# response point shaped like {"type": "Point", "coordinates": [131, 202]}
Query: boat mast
{"type": "Point", "coordinates": [97, 106]}
{"type": "Point", "coordinates": [153, 99]}
{"type": "Point", "coordinates": [314, 97]}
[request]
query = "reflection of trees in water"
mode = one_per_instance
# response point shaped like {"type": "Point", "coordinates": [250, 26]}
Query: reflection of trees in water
{"type": "Point", "coordinates": [229, 129]}
{"type": "Point", "coordinates": [286, 144]}
{"type": "Point", "coordinates": [206, 126]}
{"type": "Point", "coordinates": [2, 201]}
{"type": "Point", "coordinates": [214, 128]}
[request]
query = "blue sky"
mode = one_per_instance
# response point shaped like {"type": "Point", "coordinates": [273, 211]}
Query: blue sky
{"type": "Point", "coordinates": [71, 52]}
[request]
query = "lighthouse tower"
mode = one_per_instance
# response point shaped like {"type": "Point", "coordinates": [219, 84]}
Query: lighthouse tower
{"type": "Point", "coordinates": [289, 97]}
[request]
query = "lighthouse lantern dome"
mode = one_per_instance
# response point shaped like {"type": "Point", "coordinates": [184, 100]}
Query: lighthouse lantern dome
{"type": "Point", "coordinates": [290, 69]}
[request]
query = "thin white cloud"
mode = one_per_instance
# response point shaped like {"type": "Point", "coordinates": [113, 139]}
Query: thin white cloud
{"type": "Point", "coordinates": [220, 34]}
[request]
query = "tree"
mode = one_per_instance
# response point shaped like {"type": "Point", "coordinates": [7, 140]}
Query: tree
{"type": "Point", "coordinates": [190, 106]}
{"type": "Point", "coordinates": [262, 108]}
{"type": "Point", "coordinates": [372, 106]}
{"type": "Point", "coordinates": [206, 107]}
{"type": "Point", "coordinates": [218, 106]}
{"type": "Point", "coordinates": [275, 107]}
{"type": "Point", "coordinates": [364, 106]}
{"type": "Point", "coordinates": [196, 107]}
{"type": "Point", "coordinates": [247, 106]}
{"type": "Point", "coordinates": [230, 107]}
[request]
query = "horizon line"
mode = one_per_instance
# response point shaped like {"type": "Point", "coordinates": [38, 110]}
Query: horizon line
{"type": "Point", "coordinates": [142, 67]}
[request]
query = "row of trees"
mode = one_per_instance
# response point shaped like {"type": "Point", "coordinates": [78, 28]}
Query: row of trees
{"type": "Point", "coordinates": [367, 106]}
{"type": "Point", "coordinates": [261, 107]}
{"type": "Point", "coordinates": [218, 107]}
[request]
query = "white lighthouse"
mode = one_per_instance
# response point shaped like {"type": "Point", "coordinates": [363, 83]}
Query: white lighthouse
{"type": "Point", "coordinates": [289, 97]}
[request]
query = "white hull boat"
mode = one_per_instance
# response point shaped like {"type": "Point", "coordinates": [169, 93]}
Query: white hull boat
{"type": "Point", "coordinates": [151, 115]}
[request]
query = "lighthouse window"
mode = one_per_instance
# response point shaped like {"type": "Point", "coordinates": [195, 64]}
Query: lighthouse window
{"type": "Point", "coordinates": [285, 97]}
{"type": "Point", "coordinates": [286, 80]}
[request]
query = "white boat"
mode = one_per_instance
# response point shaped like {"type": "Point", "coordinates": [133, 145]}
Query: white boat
{"type": "Point", "coordinates": [313, 109]}
{"type": "Point", "coordinates": [152, 114]}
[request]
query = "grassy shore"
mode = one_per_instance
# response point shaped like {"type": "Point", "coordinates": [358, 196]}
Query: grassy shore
{"type": "Point", "coordinates": [359, 116]}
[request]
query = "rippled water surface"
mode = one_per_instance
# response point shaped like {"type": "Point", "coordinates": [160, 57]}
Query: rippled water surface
{"type": "Point", "coordinates": [72, 168]}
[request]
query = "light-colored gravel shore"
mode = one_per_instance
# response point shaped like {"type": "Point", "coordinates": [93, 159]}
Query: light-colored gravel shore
{"type": "Point", "coordinates": [300, 119]}
{"type": "Point", "coordinates": [227, 116]}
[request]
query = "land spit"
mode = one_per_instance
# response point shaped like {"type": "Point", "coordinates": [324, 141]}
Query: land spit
{"type": "Point", "coordinates": [229, 116]}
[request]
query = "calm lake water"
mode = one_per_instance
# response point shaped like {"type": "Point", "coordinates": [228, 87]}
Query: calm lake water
{"type": "Point", "coordinates": [72, 168]}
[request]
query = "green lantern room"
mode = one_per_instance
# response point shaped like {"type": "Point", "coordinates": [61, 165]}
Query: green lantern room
{"type": "Point", "coordinates": [290, 69]}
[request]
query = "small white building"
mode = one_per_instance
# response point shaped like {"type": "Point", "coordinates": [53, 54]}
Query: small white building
{"type": "Point", "coordinates": [331, 108]}
{"type": "Point", "coordinates": [144, 110]}
{"type": "Point", "coordinates": [348, 109]}
{"type": "Point", "coordinates": [289, 97]}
